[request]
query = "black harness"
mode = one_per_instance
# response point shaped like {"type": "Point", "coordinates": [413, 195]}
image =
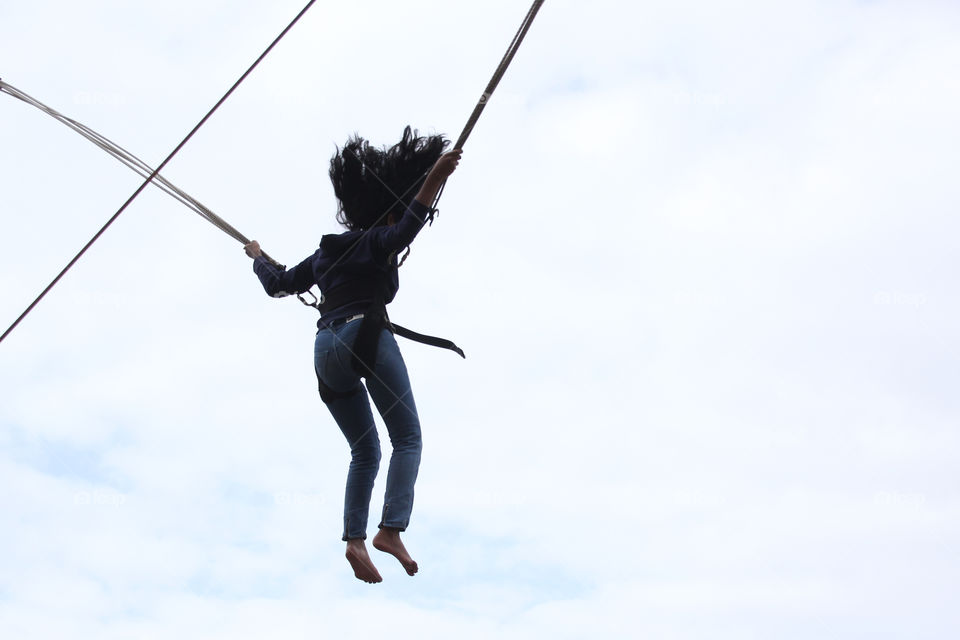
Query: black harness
{"type": "Point", "coordinates": [374, 321]}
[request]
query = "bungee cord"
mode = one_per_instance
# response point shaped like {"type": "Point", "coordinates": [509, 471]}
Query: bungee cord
{"type": "Point", "coordinates": [471, 121]}
{"type": "Point", "coordinates": [498, 74]}
{"type": "Point", "coordinates": [494, 81]}
{"type": "Point", "coordinates": [133, 162]}
{"type": "Point", "coordinates": [155, 172]}
{"type": "Point", "coordinates": [153, 175]}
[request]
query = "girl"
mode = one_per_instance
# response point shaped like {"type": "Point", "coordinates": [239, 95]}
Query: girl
{"type": "Point", "coordinates": [357, 273]}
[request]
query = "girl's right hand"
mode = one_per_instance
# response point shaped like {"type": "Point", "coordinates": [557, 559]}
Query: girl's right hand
{"type": "Point", "coordinates": [446, 165]}
{"type": "Point", "coordinates": [441, 170]}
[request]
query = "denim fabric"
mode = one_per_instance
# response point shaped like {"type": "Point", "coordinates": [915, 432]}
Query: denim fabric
{"type": "Point", "coordinates": [391, 393]}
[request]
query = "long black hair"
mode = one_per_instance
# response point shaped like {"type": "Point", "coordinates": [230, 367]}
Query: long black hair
{"type": "Point", "coordinates": [371, 183]}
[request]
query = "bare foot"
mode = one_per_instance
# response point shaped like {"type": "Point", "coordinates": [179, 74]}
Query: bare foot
{"type": "Point", "coordinates": [388, 541]}
{"type": "Point", "coordinates": [360, 560]}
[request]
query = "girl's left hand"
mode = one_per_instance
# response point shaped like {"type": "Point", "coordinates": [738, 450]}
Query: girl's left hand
{"type": "Point", "coordinates": [253, 249]}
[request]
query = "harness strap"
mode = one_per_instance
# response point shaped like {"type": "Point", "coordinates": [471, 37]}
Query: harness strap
{"type": "Point", "coordinates": [433, 341]}
{"type": "Point", "coordinates": [367, 342]}
{"type": "Point", "coordinates": [375, 319]}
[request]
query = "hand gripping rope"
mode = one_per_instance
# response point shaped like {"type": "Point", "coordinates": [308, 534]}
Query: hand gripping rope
{"type": "Point", "coordinates": [153, 175]}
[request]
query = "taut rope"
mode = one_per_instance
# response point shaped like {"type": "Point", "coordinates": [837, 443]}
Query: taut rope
{"type": "Point", "coordinates": [155, 172]}
{"type": "Point", "coordinates": [494, 81]}
{"type": "Point", "coordinates": [132, 161]}
{"type": "Point", "coordinates": [153, 175]}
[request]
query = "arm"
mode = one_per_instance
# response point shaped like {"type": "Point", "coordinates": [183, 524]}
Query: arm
{"type": "Point", "coordinates": [445, 166]}
{"type": "Point", "coordinates": [398, 236]}
{"type": "Point", "coordinates": [279, 282]}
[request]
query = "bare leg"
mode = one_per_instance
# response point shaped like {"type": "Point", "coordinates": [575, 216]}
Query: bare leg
{"type": "Point", "coordinates": [360, 560]}
{"type": "Point", "coordinates": [388, 541]}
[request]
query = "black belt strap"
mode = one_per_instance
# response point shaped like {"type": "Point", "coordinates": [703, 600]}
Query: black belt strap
{"type": "Point", "coordinates": [375, 319]}
{"type": "Point", "coordinates": [367, 341]}
{"type": "Point", "coordinates": [433, 341]}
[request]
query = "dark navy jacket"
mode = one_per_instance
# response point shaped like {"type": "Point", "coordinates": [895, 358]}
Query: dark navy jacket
{"type": "Point", "coordinates": [346, 257]}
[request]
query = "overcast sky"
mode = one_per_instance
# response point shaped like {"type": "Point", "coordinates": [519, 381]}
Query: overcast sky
{"type": "Point", "coordinates": [701, 255]}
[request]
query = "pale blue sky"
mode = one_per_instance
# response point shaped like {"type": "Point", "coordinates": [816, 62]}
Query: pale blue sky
{"type": "Point", "coordinates": [700, 256]}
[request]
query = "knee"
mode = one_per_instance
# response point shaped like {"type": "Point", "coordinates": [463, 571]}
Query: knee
{"type": "Point", "coordinates": [367, 451]}
{"type": "Point", "coordinates": [409, 442]}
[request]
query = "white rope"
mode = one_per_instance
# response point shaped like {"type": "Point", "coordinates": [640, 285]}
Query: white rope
{"type": "Point", "coordinates": [130, 160]}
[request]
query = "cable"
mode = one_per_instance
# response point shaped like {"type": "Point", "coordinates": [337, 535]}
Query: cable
{"type": "Point", "coordinates": [129, 159]}
{"type": "Point", "coordinates": [156, 171]}
{"type": "Point", "coordinates": [492, 85]}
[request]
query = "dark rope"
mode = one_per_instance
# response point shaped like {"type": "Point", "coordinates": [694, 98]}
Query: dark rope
{"type": "Point", "coordinates": [156, 171]}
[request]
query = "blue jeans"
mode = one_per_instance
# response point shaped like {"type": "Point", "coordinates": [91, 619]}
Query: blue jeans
{"type": "Point", "coordinates": [390, 389]}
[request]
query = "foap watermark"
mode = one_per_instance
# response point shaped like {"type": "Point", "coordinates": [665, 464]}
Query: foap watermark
{"type": "Point", "coordinates": [685, 98]}
{"type": "Point", "coordinates": [900, 500]}
{"type": "Point", "coordinates": [699, 299]}
{"type": "Point", "coordinates": [298, 499]}
{"type": "Point", "coordinates": [695, 498]}
{"type": "Point", "coordinates": [899, 299]}
{"type": "Point", "coordinates": [99, 499]}
{"type": "Point", "coordinates": [100, 98]}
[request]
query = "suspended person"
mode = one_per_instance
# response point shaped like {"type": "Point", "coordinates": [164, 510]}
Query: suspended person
{"type": "Point", "coordinates": [384, 198]}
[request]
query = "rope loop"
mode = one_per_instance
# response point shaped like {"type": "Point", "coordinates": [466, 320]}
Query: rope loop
{"type": "Point", "coordinates": [316, 302]}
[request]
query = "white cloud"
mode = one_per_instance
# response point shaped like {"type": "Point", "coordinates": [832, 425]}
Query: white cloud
{"type": "Point", "coordinates": [699, 256]}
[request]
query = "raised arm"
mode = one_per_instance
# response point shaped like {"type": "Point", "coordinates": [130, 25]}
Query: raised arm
{"type": "Point", "coordinates": [397, 236]}
{"type": "Point", "coordinates": [445, 166]}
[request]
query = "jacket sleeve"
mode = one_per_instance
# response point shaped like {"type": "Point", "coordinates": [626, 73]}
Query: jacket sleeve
{"type": "Point", "coordinates": [396, 237]}
{"type": "Point", "coordinates": [279, 282]}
